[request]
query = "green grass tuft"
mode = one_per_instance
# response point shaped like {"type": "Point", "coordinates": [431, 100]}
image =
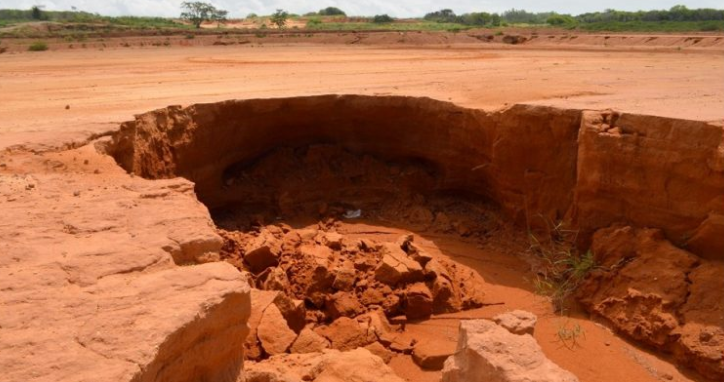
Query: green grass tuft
{"type": "Point", "coordinates": [38, 46]}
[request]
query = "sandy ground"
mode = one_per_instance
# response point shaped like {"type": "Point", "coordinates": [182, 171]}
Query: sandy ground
{"type": "Point", "coordinates": [58, 96]}
{"type": "Point", "coordinates": [597, 355]}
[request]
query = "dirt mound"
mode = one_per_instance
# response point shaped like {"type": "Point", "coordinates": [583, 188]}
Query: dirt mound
{"type": "Point", "coordinates": [331, 289]}
{"type": "Point", "coordinates": [660, 295]}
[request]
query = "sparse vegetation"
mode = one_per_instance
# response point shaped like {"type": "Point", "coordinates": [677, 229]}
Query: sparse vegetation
{"type": "Point", "coordinates": [564, 268]}
{"type": "Point", "coordinates": [279, 18]}
{"type": "Point", "coordinates": [38, 46]}
{"type": "Point", "coordinates": [568, 334]}
{"type": "Point", "coordinates": [313, 21]}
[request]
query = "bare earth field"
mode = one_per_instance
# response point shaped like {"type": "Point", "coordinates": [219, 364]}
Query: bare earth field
{"type": "Point", "coordinates": [113, 267]}
{"type": "Point", "coordinates": [103, 88]}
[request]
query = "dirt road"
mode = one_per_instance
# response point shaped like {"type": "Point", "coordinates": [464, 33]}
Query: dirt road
{"type": "Point", "coordinates": [59, 96]}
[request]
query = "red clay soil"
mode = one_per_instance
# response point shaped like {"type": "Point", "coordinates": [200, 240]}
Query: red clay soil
{"type": "Point", "coordinates": [559, 176]}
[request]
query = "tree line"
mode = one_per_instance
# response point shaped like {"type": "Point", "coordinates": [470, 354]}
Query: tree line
{"type": "Point", "coordinates": [197, 12]}
{"type": "Point", "coordinates": [520, 16]}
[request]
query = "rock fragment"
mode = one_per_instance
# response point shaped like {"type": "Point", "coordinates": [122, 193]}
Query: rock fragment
{"type": "Point", "coordinates": [517, 321]}
{"type": "Point", "coordinates": [418, 302]}
{"type": "Point", "coordinates": [309, 341]}
{"type": "Point", "coordinates": [262, 252]}
{"type": "Point", "coordinates": [273, 333]}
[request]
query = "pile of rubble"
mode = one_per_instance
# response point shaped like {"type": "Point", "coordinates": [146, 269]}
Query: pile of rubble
{"type": "Point", "coordinates": [316, 289]}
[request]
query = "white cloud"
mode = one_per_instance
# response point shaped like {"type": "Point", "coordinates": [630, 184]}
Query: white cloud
{"type": "Point", "coordinates": [397, 8]}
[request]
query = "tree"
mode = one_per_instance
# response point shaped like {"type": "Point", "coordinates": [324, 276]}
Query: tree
{"type": "Point", "coordinates": [331, 11]}
{"type": "Point", "coordinates": [442, 16]}
{"type": "Point", "coordinates": [197, 12]}
{"type": "Point", "coordinates": [279, 18]}
{"type": "Point", "coordinates": [36, 13]}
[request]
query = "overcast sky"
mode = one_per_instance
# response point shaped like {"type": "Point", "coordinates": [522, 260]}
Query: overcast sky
{"type": "Point", "coordinates": [396, 8]}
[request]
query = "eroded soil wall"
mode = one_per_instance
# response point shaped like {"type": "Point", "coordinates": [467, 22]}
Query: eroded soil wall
{"type": "Point", "coordinates": [540, 164]}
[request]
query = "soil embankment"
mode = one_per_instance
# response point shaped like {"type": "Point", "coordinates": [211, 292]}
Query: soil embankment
{"type": "Point", "coordinates": [534, 165]}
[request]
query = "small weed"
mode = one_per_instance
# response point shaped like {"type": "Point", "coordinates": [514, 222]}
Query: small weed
{"type": "Point", "coordinates": [38, 46]}
{"type": "Point", "coordinates": [564, 267]}
{"type": "Point", "coordinates": [190, 36]}
{"type": "Point", "coordinates": [568, 334]}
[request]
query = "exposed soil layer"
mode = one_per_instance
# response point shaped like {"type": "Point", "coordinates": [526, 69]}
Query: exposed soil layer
{"type": "Point", "coordinates": [539, 164]}
{"type": "Point", "coordinates": [402, 159]}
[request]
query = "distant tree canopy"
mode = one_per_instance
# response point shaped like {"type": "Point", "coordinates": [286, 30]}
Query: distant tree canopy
{"type": "Point", "coordinates": [676, 13]}
{"type": "Point", "coordinates": [331, 11]}
{"type": "Point", "coordinates": [381, 19]}
{"type": "Point", "coordinates": [473, 18]}
{"type": "Point", "coordinates": [442, 16]}
{"type": "Point", "coordinates": [198, 12]}
{"type": "Point", "coordinates": [520, 16]}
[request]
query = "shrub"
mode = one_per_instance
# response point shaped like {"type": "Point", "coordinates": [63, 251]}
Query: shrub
{"type": "Point", "coordinates": [380, 19]}
{"type": "Point", "coordinates": [38, 46]}
{"type": "Point", "coordinates": [559, 20]}
{"type": "Point", "coordinates": [709, 28]}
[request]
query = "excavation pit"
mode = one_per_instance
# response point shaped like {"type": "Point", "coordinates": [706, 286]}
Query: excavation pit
{"type": "Point", "coordinates": [266, 168]}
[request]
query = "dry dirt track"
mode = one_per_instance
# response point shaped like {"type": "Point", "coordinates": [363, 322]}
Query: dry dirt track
{"type": "Point", "coordinates": [105, 87]}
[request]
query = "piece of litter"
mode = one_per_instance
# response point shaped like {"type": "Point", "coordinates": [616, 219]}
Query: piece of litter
{"type": "Point", "coordinates": [353, 214]}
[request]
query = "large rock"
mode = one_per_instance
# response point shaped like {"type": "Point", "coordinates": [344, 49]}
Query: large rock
{"type": "Point", "coordinates": [90, 289]}
{"type": "Point", "coordinates": [358, 365]}
{"type": "Point", "coordinates": [488, 352]}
